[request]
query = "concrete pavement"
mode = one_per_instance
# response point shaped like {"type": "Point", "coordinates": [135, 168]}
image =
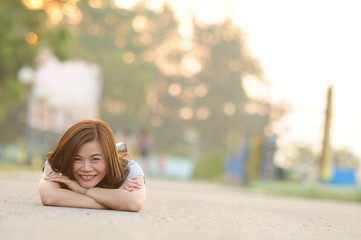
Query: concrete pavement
{"type": "Point", "coordinates": [176, 210]}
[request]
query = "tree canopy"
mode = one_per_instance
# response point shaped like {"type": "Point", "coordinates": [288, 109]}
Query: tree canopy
{"type": "Point", "coordinates": [23, 34]}
{"type": "Point", "coordinates": [180, 89]}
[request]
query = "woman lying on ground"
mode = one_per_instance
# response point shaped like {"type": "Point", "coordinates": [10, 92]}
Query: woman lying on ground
{"type": "Point", "coordinates": [85, 170]}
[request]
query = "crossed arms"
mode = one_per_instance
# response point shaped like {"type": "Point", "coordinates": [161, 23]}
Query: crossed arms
{"type": "Point", "coordinates": [129, 197]}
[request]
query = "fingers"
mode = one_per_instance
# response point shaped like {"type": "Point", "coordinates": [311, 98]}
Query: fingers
{"type": "Point", "coordinates": [132, 185]}
{"type": "Point", "coordinates": [133, 180]}
{"type": "Point", "coordinates": [54, 174]}
{"type": "Point", "coordinates": [56, 177]}
{"type": "Point", "coordinates": [135, 185]}
{"type": "Point", "coordinates": [131, 189]}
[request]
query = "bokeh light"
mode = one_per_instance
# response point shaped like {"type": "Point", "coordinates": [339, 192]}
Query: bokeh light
{"type": "Point", "coordinates": [174, 89]}
{"type": "Point", "coordinates": [128, 57]}
{"type": "Point", "coordinates": [32, 38]}
{"type": "Point", "coordinates": [34, 4]}
{"type": "Point", "coordinates": [186, 113]}
{"type": "Point", "coordinates": [203, 113]}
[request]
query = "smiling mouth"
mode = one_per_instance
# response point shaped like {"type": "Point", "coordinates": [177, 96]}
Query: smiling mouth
{"type": "Point", "coordinates": [87, 177]}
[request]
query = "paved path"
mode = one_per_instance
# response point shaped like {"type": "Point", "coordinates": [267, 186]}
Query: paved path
{"type": "Point", "coordinates": [176, 210]}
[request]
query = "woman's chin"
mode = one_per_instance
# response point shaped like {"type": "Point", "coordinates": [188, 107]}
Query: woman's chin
{"type": "Point", "coordinates": [88, 185]}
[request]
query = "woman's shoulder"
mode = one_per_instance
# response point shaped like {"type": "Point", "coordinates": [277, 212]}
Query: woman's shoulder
{"type": "Point", "coordinates": [45, 163]}
{"type": "Point", "coordinates": [134, 169]}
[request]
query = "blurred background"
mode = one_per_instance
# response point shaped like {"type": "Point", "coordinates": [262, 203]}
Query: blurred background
{"type": "Point", "coordinates": [262, 94]}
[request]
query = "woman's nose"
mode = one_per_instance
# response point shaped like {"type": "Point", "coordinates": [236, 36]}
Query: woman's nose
{"type": "Point", "coordinates": [87, 165]}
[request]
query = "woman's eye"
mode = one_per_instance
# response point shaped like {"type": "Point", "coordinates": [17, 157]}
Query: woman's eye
{"type": "Point", "coordinates": [95, 159]}
{"type": "Point", "coordinates": [77, 160]}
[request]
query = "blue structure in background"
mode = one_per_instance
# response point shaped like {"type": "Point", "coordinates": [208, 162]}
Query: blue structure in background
{"type": "Point", "coordinates": [236, 160]}
{"type": "Point", "coordinates": [235, 164]}
{"type": "Point", "coordinates": [343, 176]}
{"type": "Point", "coordinates": [267, 168]}
{"type": "Point", "coordinates": [178, 167]}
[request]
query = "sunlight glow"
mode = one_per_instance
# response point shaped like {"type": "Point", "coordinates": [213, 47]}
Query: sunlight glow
{"type": "Point", "coordinates": [229, 109]}
{"type": "Point", "coordinates": [186, 113]}
{"type": "Point", "coordinates": [55, 15]}
{"type": "Point", "coordinates": [127, 4]}
{"type": "Point", "coordinates": [299, 60]}
{"type": "Point", "coordinates": [32, 38]}
{"type": "Point", "coordinates": [128, 57]}
{"type": "Point", "coordinates": [254, 87]}
{"type": "Point", "coordinates": [34, 4]}
{"type": "Point", "coordinates": [300, 56]}
{"type": "Point", "coordinates": [96, 3]}
{"type": "Point", "coordinates": [174, 89]}
{"type": "Point", "coordinates": [139, 23]}
{"type": "Point", "coordinates": [72, 12]}
{"type": "Point", "coordinates": [191, 66]}
{"type": "Point", "coordinates": [201, 90]}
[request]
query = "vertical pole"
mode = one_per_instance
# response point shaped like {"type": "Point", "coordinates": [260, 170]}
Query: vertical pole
{"type": "Point", "coordinates": [326, 156]}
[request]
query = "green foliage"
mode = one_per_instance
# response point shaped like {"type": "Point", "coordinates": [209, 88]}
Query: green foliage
{"type": "Point", "coordinates": [106, 37]}
{"type": "Point", "coordinates": [315, 190]}
{"type": "Point", "coordinates": [210, 165]}
{"type": "Point", "coordinates": [228, 61]}
{"type": "Point", "coordinates": [221, 52]}
{"type": "Point", "coordinates": [136, 86]}
{"type": "Point", "coordinates": [14, 51]}
{"type": "Point", "coordinates": [345, 158]}
{"type": "Point", "coordinates": [16, 22]}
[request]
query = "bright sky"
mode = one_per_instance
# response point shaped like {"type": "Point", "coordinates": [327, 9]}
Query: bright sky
{"type": "Point", "coordinates": [303, 46]}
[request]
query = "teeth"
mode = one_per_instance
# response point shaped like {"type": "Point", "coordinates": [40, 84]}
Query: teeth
{"type": "Point", "coordinates": [87, 177]}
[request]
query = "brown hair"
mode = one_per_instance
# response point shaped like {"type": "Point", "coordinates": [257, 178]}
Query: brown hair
{"type": "Point", "coordinates": [62, 156]}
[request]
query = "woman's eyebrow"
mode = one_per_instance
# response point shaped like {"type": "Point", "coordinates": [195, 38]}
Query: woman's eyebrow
{"type": "Point", "coordinates": [93, 155]}
{"type": "Point", "coordinates": [96, 154]}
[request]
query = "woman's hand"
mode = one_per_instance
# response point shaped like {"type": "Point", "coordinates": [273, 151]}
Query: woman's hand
{"type": "Point", "coordinates": [131, 185]}
{"type": "Point", "coordinates": [73, 185]}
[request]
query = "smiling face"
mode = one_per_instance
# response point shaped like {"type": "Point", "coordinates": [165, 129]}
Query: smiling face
{"type": "Point", "coordinates": [89, 166]}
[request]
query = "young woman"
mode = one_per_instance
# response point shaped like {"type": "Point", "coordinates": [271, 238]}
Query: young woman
{"type": "Point", "coordinates": [85, 170]}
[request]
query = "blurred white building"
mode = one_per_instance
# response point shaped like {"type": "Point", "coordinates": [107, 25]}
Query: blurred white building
{"type": "Point", "coordinates": [63, 93]}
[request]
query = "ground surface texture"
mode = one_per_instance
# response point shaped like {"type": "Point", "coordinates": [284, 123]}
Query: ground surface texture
{"type": "Point", "coordinates": [176, 210]}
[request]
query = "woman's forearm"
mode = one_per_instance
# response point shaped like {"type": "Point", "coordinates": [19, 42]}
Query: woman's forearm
{"type": "Point", "coordinates": [118, 199]}
{"type": "Point", "coordinates": [52, 194]}
{"type": "Point", "coordinates": [66, 198]}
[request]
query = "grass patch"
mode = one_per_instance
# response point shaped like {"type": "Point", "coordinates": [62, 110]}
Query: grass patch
{"type": "Point", "coordinates": [210, 165]}
{"type": "Point", "coordinates": [309, 190]}
{"type": "Point", "coordinates": [12, 167]}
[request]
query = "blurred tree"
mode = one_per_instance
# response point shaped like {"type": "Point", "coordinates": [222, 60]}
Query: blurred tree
{"type": "Point", "coordinates": [205, 93]}
{"type": "Point", "coordinates": [23, 34]}
{"type": "Point", "coordinates": [119, 41]}
{"type": "Point", "coordinates": [227, 62]}
{"type": "Point", "coordinates": [345, 158]}
{"type": "Point", "coordinates": [156, 79]}
{"type": "Point", "coordinates": [185, 90]}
